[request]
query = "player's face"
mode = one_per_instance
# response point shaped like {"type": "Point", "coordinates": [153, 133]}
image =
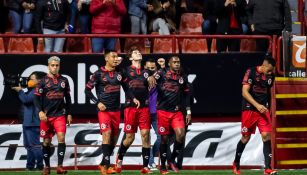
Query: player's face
{"type": "Point", "coordinates": [174, 64]}
{"type": "Point", "coordinates": [112, 59]}
{"type": "Point", "coordinates": [54, 67]}
{"type": "Point", "coordinates": [161, 62]}
{"type": "Point", "coordinates": [136, 55]}
{"type": "Point", "coordinates": [267, 68]}
{"type": "Point", "coordinates": [151, 66]}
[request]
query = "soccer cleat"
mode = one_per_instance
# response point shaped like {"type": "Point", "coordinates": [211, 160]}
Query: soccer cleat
{"type": "Point", "coordinates": [118, 165]}
{"type": "Point", "coordinates": [111, 170]}
{"type": "Point", "coordinates": [60, 170]}
{"type": "Point", "coordinates": [46, 171]}
{"type": "Point", "coordinates": [173, 167]}
{"type": "Point", "coordinates": [235, 169]}
{"type": "Point", "coordinates": [153, 167]}
{"type": "Point", "coordinates": [103, 169]}
{"type": "Point", "coordinates": [270, 172]}
{"type": "Point", "coordinates": [146, 170]}
{"type": "Point", "coordinates": [164, 171]}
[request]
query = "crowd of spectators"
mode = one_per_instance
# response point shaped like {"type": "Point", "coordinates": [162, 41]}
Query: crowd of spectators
{"type": "Point", "coordinates": [224, 17]}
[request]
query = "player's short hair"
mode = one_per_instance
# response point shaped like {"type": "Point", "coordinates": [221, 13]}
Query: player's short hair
{"type": "Point", "coordinates": [108, 51]}
{"type": "Point", "coordinates": [54, 58]}
{"type": "Point", "coordinates": [151, 60]}
{"type": "Point", "coordinates": [270, 59]}
{"type": "Point", "coordinates": [132, 48]}
{"type": "Point", "coordinates": [172, 57]}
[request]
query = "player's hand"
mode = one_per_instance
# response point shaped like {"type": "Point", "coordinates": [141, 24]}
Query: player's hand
{"type": "Point", "coordinates": [188, 119]}
{"type": "Point", "coordinates": [137, 102]}
{"type": "Point", "coordinates": [17, 88]}
{"type": "Point", "coordinates": [227, 2]}
{"type": "Point", "coordinates": [42, 116]}
{"type": "Point", "coordinates": [69, 120]}
{"type": "Point", "coordinates": [101, 106]}
{"type": "Point", "coordinates": [253, 27]}
{"type": "Point", "coordinates": [151, 82]}
{"type": "Point", "coordinates": [262, 109]}
{"type": "Point", "coordinates": [79, 5]}
{"type": "Point", "coordinates": [150, 7]}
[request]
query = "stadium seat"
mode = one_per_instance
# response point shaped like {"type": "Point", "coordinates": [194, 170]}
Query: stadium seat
{"type": "Point", "coordinates": [138, 42]}
{"type": "Point", "coordinates": [248, 45]}
{"type": "Point", "coordinates": [2, 49]}
{"type": "Point", "coordinates": [194, 46]}
{"type": "Point", "coordinates": [164, 45]}
{"type": "Point", "coordinates": [21, 45]}
{"type": "Point", "coordinates": [191, 23]}
{"type": "Point", "coordinates": [78, 45]}
{"type": "Point", "coordinates": [40, 46]}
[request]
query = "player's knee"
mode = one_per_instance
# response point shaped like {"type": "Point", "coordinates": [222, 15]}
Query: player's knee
{"type": "Point", "coordinates": [265, 136]}
{"type": "Point", "coordinates": [47, 142]}
{"type": "Point", "coordinates": [145, 137]}
{"type": "Point", "coordinates": [130, 138]}
{"type": "Point", "coordinates": [180, 136]}
{"type": "Point", "coordinates": [245, 138]}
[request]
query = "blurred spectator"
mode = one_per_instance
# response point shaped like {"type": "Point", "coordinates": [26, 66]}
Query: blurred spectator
{"type": "Point", "coordinates": [209, 25]}
{"type": "Point", "coordinates": [138, 15]}
{"type": "Point", "coordinates": [229, 14]}
{"type": "Point", "coordinates": [163, 17]}
{"type": "Point", "coordinates": [107, 15]}
{"type": "Point", "coordinates": [31, 123]}
{"type": "Point", "coordinates": [53, 15]}
{"type": "Point", "coordinates": [21, 14]}
{"type": "Point", "coordinates": [268, 18]}
{"type": "Point", "coordinates": [3, 16]}
{"type": "Point", "coordinates": [79, 9]}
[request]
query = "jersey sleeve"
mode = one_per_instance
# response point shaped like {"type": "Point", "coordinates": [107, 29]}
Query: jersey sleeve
{"type": "Point", "coordinates": [247, 80]}
{"type": "Point", "coordinates": [90, 85]}
{"type": "Point", "coordinates": [38, 94]}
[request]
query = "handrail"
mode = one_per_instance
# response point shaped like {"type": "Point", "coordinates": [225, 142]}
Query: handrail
{"type": "Point", "coordinates": [278, 57]}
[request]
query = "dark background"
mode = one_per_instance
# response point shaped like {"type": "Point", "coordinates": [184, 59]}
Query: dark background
{"type": "Point", "coordinates": [217, 87]}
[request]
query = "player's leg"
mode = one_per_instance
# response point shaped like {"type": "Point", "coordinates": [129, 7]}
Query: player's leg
{"type": "Point", "coordinates": [163, 130]}
{"type": "Point", "coordinates": [59, 125]}
{"type": "Point", "coordinates": [145, 125]}
{"type": "Point", "coordinates": [248, 126]}
{"type": "Point", "coordinates": [265, 128]}
{"type": "Point", "coordinates": [178, 126]}
{"type": "Point", "coordinates": [46, 132]}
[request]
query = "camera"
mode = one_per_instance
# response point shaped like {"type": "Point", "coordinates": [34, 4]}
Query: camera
{"type": "Point", "coordinates": [15, 80]}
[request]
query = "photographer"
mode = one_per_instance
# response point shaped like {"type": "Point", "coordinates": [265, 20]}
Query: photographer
{"type": "Point", "coordinates": [31, 122]}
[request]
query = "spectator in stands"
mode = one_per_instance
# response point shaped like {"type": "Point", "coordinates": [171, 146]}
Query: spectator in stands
{"type": "Point", "coordinates": [31, 123]}
{"type": "Point", "coordinates": [3, 16]}
{"type": "Point", "coordinates": [107, 15]}
{"type": "Point", "coordinates": [163, 17]}
{"type": "Point", "coordinates": [268, 18]}
{"type": "Point", "coordinates": [138, 15]}
{"type": "Point", "coordinates": [53, 15]}
{"type": "Point", "coordinates": [21, 14]}
{"type": "Point", "coordinates": [80, 9]}
{"type": "Point", "coordinates": [229, 14]}
{"type": "Point", "coordinates": [209, 25]}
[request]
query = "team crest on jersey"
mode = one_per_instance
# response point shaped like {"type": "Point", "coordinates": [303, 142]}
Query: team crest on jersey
{"type": "Point", "coordinates": [119, 77]}
{"type": "Point", "coordinates": [157, 76]}
{"type": "Point", "coordinates": [40, 90]}
{"type": "Point", "coordinates": [132, 74]}
{"type": "Point", "coordinates": [146, 75]}
{"type": "Point", "coordinates": [250, 81]}
{"type": "Point", "coordinates": [269, 81]}
{"type": "Point", "coordinates": [43, 133]}
{"type": "Point", "coordinates": [162, 129]}
{"type": "Point", "coordinates": [103, 126]}
{"type": "Point", "coordinates": [63, 84]}
{"type": "Point", "coordinates": [104, 79]}
{"type": "Point", "coordinates": [180, 80]}
{"type": "Point", "coordinates": [128, 127]}
{"type": "Point", "coordinates": [244, 129]}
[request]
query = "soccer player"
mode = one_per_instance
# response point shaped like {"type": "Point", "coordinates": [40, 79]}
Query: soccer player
{"type": "Point", "coordinates": [107, 82]}
{"type": "Point", "coordinates": [53, 102]}
{"type": "Point", "coordinates": [136, 80]}
{"type": "Point", "coordinates": [171, 83]}
{"type": "Point", "coordinates": [255, 111]}
{"type": "Point", "coordinates": [151, 66]}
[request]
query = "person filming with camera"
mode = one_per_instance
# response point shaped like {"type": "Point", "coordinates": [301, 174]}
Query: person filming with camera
{"type": "Point", "coordinates": [31, 122]}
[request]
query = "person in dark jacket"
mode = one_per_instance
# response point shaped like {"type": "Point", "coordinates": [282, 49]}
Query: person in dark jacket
{"type": "Point", "coordinates": [3, 16]}
{"type": "Point", "coordinates": [53, 14]}
{"type": "Point", "coordinates": [268, 18]}
{"type": "Point", "coordinates": [21, 14]}
{"type": "Point", "coordinates": [229, 14]}
{"type": "Point", "coordinates": [31, 123]}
